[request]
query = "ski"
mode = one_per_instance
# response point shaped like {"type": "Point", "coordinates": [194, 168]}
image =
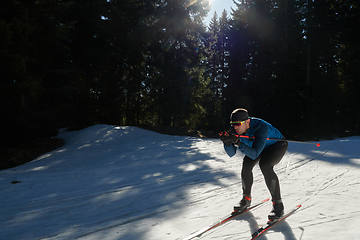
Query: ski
{"type": "Point", "coordinates": [270, 223]}
{"type": "Point", "coordinates": [222, 221]}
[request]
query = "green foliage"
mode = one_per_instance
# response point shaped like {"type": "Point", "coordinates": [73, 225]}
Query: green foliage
{"type": "Point", "coordinates": [154, 63]}
{"type": "Point", "coordinates": [286, 62]}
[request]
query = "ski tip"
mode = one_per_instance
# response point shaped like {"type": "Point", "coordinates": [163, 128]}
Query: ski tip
{"type": "Point", "coordinates": [298, 206]}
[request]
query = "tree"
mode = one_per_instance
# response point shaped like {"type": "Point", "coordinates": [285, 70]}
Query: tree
{"type": "Point", "coordinates": [217, 70]}
{"type": "Point", "coordinates": [175, 58]}
{"type": "Point", "coordinates": [29, 57]}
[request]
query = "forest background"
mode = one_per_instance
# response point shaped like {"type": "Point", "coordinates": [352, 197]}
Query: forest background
{"type": "Point", "coordinates": [148, 63]}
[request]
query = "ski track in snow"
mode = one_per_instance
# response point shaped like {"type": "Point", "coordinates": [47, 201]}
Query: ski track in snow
{"type": "Point", "coordinates": [112, 182]}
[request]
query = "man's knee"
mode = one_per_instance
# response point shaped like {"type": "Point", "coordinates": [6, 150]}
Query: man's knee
{"type": "Point", "coordinates": [248, 163]}
{"type": "Point", "coordinates": [265, 166]}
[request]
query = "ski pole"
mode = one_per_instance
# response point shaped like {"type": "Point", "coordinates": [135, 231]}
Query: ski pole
{"type": "Point", "coordinates": [275, 139]}
{"type": "Point", "coordinates": [243, 136]}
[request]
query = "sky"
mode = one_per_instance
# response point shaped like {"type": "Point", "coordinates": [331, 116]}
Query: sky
{"type": "Point", "coordinates": [219, 6]}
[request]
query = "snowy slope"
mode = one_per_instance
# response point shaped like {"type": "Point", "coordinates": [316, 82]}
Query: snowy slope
{"type": "Point", "coordinates": [111, 182]}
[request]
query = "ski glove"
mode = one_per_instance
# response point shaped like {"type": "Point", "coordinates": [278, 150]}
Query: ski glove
{"type": "Point", "coordinates": [229, 139]}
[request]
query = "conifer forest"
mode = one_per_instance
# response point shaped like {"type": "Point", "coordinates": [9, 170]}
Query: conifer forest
{"type": "Point", "coordinates": [76, 63]}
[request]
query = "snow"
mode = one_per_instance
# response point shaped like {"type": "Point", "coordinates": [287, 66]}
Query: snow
{"type": "Point", "coordinates": [111, 182]}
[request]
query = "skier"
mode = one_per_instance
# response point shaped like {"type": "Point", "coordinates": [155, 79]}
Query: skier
{"type": "Point", "coordinates": [258, 149]}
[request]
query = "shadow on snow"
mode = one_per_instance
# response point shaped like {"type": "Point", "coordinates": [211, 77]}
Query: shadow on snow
{"type": "Point", "coordinates": [104, 178]}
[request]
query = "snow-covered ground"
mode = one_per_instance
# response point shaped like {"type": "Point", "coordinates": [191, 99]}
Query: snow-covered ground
{"type": "Point", "coordinates": [111, 182]}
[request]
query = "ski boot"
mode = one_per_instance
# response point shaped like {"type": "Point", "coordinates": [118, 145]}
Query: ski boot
{"type": "Point", "coordinates": [277, 211]}
{"type": "Point", "coordinates": [243, 204]}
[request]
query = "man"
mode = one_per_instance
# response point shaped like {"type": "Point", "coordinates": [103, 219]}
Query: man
{"type": "Point", "coordinates": [257, 149]}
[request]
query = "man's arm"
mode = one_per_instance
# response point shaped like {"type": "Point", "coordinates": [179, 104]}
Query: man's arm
{"type": "Point", "coordinates": [258, 144]}
{"type": "Point", "coordinates": [230, 150]}
{"type": "Point", "coordinates": [229, 140]}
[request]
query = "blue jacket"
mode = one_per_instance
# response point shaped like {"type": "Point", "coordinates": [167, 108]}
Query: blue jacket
{"type": "Point", "coordinates": [252, 148]}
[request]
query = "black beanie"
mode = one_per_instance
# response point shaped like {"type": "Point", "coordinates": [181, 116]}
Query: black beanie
{"type": "Point", "coordinates": [239, 115]}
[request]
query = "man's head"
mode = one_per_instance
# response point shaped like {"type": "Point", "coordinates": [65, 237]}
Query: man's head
{"type": "Point", "coordinates": [240, 121]}
{"type": "Point", "coordinates": [239, 115]}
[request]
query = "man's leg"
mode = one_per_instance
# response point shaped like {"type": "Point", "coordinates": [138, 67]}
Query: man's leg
{"type": "Point", "coordinates": [247, 175]}
{"type": "Point", "coordinates": [247, 181]}
{"type": "Point", "coordinates": [269, 158]}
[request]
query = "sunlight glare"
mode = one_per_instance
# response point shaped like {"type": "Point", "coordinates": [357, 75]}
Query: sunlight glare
{"type": "Point", "coordinates": [191, 2]}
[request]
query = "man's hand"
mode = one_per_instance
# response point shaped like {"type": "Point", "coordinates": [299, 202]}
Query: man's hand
{"type": "Point", "coordinates": [229, 139]}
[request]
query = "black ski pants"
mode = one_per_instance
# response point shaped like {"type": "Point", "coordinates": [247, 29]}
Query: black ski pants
{"type": "Point", "coordinates": [268, 158]}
